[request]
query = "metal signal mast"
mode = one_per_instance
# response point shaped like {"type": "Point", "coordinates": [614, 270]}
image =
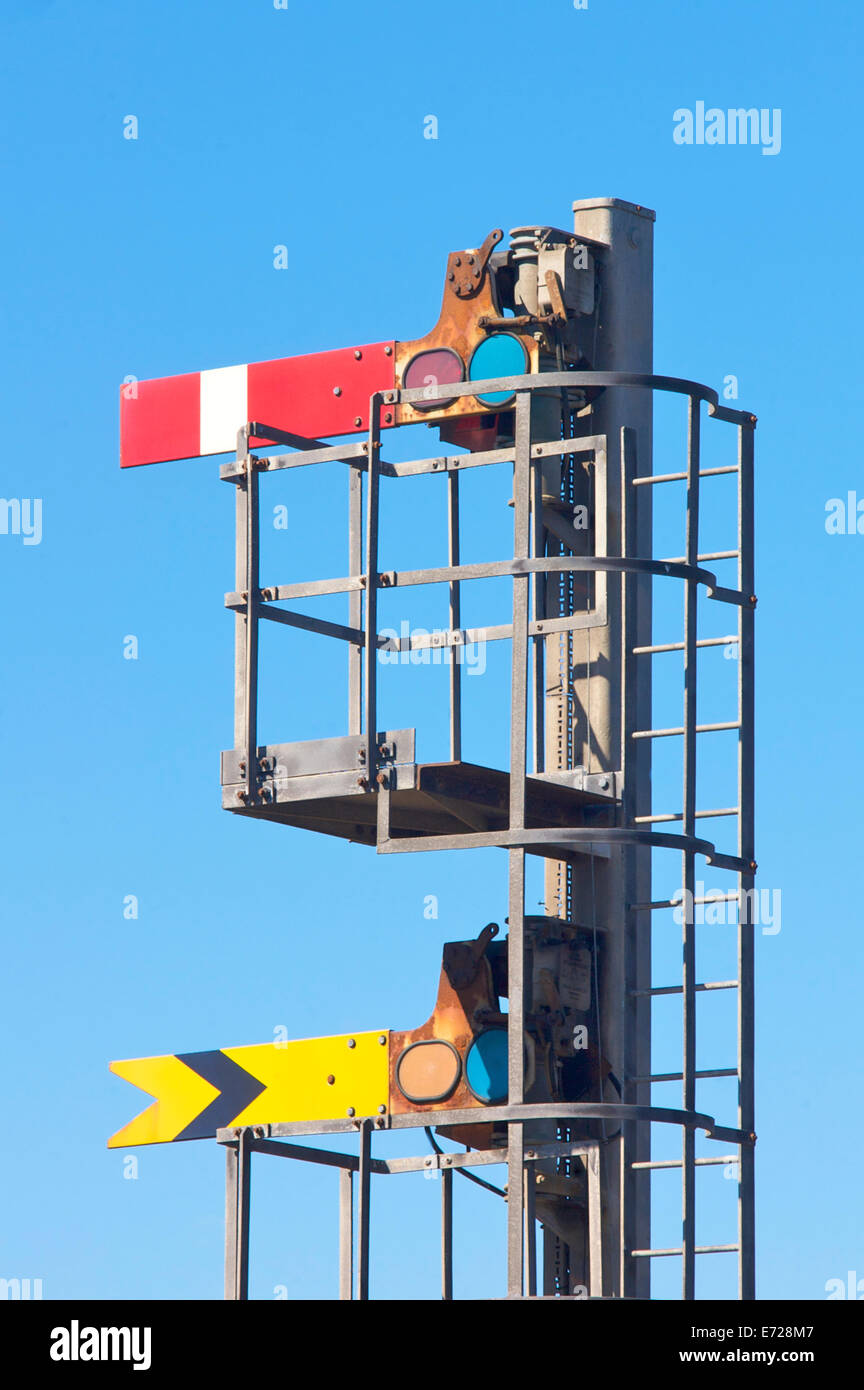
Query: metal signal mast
{"type": "Point", "coordinates": [540, 363]}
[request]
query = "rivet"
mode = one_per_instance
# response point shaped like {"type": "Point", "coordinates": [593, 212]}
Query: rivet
{"type": "Point", "coordinates": [458, 260]}
{"type": "Point", "coordinates": [351, 1042]}
{"type": "Point", "coordinates": [351, 1111]}
{"type": "Point", "coordinates": [358, 420]}
{"type": "Point", "coordinates": [382, 1040]}
{"type": "Point", "coordinates": [330, 1080]}
{"type": "Point", "coordinates": [358, 354]}
{"type": "Point", "coordinates": [388, 417]}
{"type": "Point", "coordinates": [382, 1109]}
{"type": "Point", "coordinates": [337, 390]}
{"type": "Point", "coordinates": [388, 352]}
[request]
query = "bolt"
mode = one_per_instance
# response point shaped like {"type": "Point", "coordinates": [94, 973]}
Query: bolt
{"type": "Point", "coordinates": [358, 354]}
{"type": "Point", "coordinates": [243, 767]}
{"type": "Point", "coordinates": [388, 352]}
{"type": "Point", "coordinates": [383, 1040]}
{"type": "Point", "coordinates": [604, 784]}
{"type": "Point", "coordinates": [382, 1109]}
{"type": "Point", "coordinates": [358, 420]}
{"type": "Point", "coordinates": [330, 1080]}
{"type": "Point", "coordinates": [237, 1133]}
{"type": "Point", "coordinates": [362, 782]}
{"type": "Point", "coordinates": [259, 1132]}
{"type": "Point", "coordinates": [382, 779]}
{"type": "Point", "coordinates": [470, 260]}
{"type": "Point", "coordinates": [458, 260]}
{"type": "Point", "coordinates": [337, 390]}
{"type": "Point", "coordinates": [351, 1042]}
{"type": "Point", "coordinates": [476, 274]}
{"type": "Point", "coordinates": [450, 275]}
{"type": "Point", "coordinates": [388, 417]}
{"type": "Point", "coordinates": [351, 1111]}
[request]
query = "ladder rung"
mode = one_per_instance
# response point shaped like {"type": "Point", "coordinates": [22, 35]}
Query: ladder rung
{"type": "Point", "coordinates": [676, 902]}
{"type": "Point", "coordinates": [681, 477]}
{"type": "Point", "coordinates": [697, 1250]}
{"type": "Point", "coordinates": [672, 733]}
{"type": "Point", "coordinates": [679, 646]}
{"type": "Point", "coordinates": [679, 989]}
{"type": "Point", "coordinates": [679, 815]}
{"type": "Point", "coordinates": [679, 1076]}
{"type": "Point", "coordinates": [710, 555]}
{"type": "Point", "coordinates": [677, 1162]}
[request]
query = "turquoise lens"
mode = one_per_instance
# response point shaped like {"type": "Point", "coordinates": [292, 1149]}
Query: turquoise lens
{"type": "Point", "coordinates": [499, 355]}
{"type": "Point", "coordinates": [486, 1066]}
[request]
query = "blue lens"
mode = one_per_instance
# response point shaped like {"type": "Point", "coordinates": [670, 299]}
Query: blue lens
{"type": "Point", "coordinates": [500, 355]}
{"type": "Point", "coordinates": [486, 1066]}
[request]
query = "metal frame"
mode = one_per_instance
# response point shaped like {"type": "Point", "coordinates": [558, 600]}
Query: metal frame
{"type": "Point", "coordinates": [258, 784]}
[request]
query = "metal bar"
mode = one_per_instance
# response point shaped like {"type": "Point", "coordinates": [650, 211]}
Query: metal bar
{"type": "Point", "coordinates": [231, 1194]}
{"type": "Point", "coordinates": [634, 1192]}
{"type": "Point", "coordinates": [250, 740]}
{"type": "Point", "coordinates": [700, 1162]}
{"type": "Point", "coordinates": [697, 1250]}
{"type": "Point", "coordinates": [577, 1111]}
{"type": "Point", "coordinates": [679, 815]}
{"type": "Point", "coordinates": [495, 569]}
{"type": "Point", "coordinates": [671, 733]}
{"type": "Point", "coordinates": [688, 1185]}
{"type": "Point", "coordinates": [304, 1154]}
{"type": "Point", "coordinates": [241, 507]}
{"type": "Point", "coordinates": [447, 1234]}
{"type": "Point", "coordinates": [370, 658]}
{"type": "Point", "coordinates": [531, 1234]}
{"type": "Point", "coordinates": [363, 1197]}
{"type": "Point", "coordinates": [516, 915]}
{"type": "Point", "coordinates": [679, 646]}
{"type": "Point", "coordinates": [355, 454]}
{"type": "Point", "coordinates": [538, 703]}
{"type": "Point", "coordinates": [515, 1205]}
{"type": "Point", "coordinates": [551, 564]}
{"type": "Point", "coordinates": [571, 444]}
{"type": "Point", "coordinates": [676, 989]}
{"type": "Point", "coordinates": [576, 839]}
{"type": "Point", "coordinates": [595, 1225]}
{"type": "Point", "coordinates": [563, 380]}
{"type": "Point", "coordinates": [711, 555]}
{"type": "Point", "coordinates": [455, 617]}
{"type": "Point", "coordinates": [280, 436]}
{"type": "Point", "coordinates": [355, 635]}
{"type": "Point", "coordinates": [676, 902]}
{"type": "Point", "coordinates": [746, 851]}
{"type": "Point", "coordinates": [446, 463]}
{"type": "Point", "coordinates": [346, 1233]}
{"type": "Point", "coordinates": [679, 1076]}
{"type": "Point", "coordinates": [477, 1158]}
{"type": "Point", "coordinates": [238, 1188]}
{"type": "Point", "coordinates": [355, 599]}
{"type": "Point", "coordinates": [681, 477]}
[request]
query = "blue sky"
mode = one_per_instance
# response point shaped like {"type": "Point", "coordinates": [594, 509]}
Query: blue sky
{"type": "Point", "coordinates": [303, 127]}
